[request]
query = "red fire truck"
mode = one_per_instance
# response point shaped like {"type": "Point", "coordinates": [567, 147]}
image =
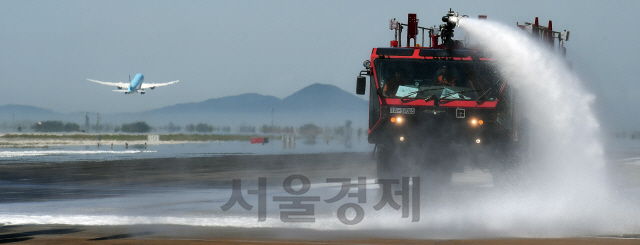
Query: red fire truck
{"type": "Point", "coordinates": [436, 109]}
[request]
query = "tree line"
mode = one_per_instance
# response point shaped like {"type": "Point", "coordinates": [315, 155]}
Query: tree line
{"type": "Point", "coordinates": [55, 126]}
{"type": "Point", "coordinates": [59, 126]}
{"type": "Point", "coordinates": [142, 127]}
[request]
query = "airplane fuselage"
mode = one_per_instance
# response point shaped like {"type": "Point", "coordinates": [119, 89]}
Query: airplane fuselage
{"type": "Point", "coordinates": [136, 83]}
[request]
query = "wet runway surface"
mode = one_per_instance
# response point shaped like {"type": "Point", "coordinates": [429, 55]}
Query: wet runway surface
{"type": "Point", "coordinates": [140, 198]}
{"type": "Point", "coordinates": [103, 152]}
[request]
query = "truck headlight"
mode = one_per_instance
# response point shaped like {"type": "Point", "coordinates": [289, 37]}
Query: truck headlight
{"type": "Point", "coordinates": [397, 119]}
{"type": "Point", "coordinates": [475, 122]}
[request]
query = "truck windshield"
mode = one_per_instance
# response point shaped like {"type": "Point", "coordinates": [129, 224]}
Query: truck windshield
{"type": "Point", "coordinates": [447, 79]}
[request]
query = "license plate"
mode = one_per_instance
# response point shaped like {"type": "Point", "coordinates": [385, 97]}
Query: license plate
{"type": "Point", "coordinates": [398, 110]}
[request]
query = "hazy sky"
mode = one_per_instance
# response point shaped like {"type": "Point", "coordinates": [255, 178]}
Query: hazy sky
{"type": "Point", "coordinates": [221, 48]}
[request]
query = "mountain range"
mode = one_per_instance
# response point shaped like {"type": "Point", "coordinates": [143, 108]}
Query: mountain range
{"type": "Point", "coordinates": [321, 104]}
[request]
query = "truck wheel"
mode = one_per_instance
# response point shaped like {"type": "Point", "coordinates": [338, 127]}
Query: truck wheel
{"type": "Point", "coordinates": [383, 162]}
{"type": "Point", "coordinates": [509, 170]}
{"type": "Point", "coordinates": [438, 168]}
{"type": "Point", "coordinates": [394, 163]}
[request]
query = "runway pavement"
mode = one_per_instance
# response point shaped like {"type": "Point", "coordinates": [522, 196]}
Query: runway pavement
{"type": "Point", "coordinates": [166, 200]}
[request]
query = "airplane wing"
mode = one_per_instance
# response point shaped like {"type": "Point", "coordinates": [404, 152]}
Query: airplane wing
{"type": "Point", "coordinates": [119, 85]}
{"type": "Point", "coordinates": [154, 85]}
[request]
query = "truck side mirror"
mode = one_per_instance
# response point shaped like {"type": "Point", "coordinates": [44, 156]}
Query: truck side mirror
{"type": "Point", "coordinates": [361, 85]}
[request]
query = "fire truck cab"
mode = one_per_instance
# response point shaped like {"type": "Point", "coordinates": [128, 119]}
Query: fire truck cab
{"type": "Point", "coordinates": [438, 108]}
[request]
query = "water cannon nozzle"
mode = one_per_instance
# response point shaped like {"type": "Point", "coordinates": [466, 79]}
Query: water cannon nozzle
{"type": "Point", "coordinates": [453, 19]}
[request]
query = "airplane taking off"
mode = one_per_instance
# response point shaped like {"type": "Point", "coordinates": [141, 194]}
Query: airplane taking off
{"type": "Point", "coordinates": [135, 85]}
